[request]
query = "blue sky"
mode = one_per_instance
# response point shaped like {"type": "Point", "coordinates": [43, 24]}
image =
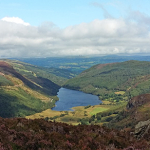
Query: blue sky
{"type": "Point", "coordinates": [66, 27]}
{"type": "Point", "coordinates": [64, 13]}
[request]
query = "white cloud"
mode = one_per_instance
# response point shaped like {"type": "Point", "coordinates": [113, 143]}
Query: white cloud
{"type": "Point", "coordinates": [108, 36]}
{"type": "Point", "coordinates": [15, 20]}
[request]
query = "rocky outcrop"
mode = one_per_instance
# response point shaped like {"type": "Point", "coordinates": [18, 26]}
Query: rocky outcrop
{"type": "Point", "coordinates": [137, 110]}
{"type": "Point", "coordinates": [142, 129]}
{"type": "Point", "coordinates": [138, 101]}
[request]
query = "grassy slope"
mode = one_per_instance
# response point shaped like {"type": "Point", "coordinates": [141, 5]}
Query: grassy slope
{"type": "Point", "coordinates": [58, 76]}
{"type": "Point", "coordinates": [21, 96]}
{"type": "Point", "coordinates": [129, 78]}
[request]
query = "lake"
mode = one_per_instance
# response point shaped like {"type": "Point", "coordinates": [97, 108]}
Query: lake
{"type": "Point", "coordinates": [71, 98]}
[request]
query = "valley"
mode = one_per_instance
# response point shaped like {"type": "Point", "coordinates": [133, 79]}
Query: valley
{"type": "Point", "coordinates": [81, 114]}
{"type": "Point", "coordinates": [29, 92]}
{"type": "Point", "coordinates": [114, 83]}
{"type": "Point", "coordinates": [75, 75]}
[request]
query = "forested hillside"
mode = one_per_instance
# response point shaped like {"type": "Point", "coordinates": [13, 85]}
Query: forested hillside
{"type": "Point", "coordinates": [114, 81]}
{"type": "Point", "coordinates": [22, 95]}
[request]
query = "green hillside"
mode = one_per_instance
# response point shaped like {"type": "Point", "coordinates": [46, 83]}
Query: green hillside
{"type": "Point", "coordinates": [22, 91]}
{"type": "Point", "coordinates": [58, 76]}
{"type": "Point", "coordinates": [114, 81]}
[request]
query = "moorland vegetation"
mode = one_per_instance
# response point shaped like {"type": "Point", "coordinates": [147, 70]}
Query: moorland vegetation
{"type": "Point", "coordinates": [24, 134]}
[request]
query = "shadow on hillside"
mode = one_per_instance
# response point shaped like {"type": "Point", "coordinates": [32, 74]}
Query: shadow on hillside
{"type": "Point", "coordinates": [10, 106]}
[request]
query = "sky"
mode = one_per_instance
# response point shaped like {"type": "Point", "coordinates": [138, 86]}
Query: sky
{"type": "Point", "coordinates": [51, 28]}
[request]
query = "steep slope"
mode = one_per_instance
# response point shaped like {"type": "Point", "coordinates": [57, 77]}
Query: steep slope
{"type": "Point", "coordinates": [114, 81]}
{"type": "Point", "coordinates": [36, 83]}
{"type": "Point", "coordinates": [21, 96]}
{"type": "Point", "coordinates": [58, 76]}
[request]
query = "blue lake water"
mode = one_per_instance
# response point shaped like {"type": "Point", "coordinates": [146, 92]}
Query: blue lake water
{"type": "Point", "coordinates": [71, 98]}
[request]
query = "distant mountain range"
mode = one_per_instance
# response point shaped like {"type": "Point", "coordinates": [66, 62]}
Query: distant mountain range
{"type": "Point", "coordinates": [77, 64]}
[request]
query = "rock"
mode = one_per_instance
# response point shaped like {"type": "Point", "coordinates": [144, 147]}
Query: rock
{"type": "Point", "coordinates": [142, 128]}
{"type": "Point", "coordinates": [138, 101]}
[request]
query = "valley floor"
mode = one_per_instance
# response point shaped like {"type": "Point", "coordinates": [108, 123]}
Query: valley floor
{"type": "Point", "coordinates": [81, 112]}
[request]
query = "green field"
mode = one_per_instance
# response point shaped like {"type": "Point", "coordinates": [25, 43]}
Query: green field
{"type": "Point", "coordinates": [97, 110]}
